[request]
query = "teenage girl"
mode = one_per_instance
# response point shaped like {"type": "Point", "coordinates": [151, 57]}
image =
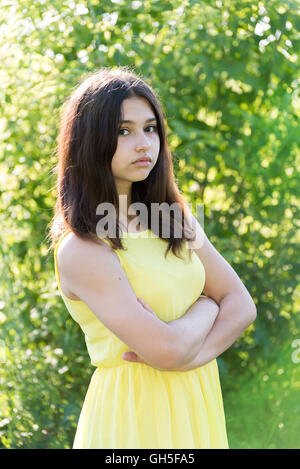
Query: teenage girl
{"type": "Point", "coordinates": [136, 292]}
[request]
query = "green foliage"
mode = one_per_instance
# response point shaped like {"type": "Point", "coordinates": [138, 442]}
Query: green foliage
{"type": "Point", "coordinates": [227, 73]}
{"type": "Point", "coordinates": [263, 411]}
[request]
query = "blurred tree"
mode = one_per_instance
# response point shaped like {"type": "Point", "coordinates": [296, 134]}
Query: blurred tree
{"type": "Point", "coordinates": [227, 74]}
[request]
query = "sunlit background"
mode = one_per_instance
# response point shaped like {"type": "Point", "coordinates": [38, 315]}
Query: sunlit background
{"type": "Point", "coordinates": [227, 73]}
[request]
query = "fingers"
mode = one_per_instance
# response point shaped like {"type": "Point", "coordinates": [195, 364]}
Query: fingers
{"type": "Point", "coordinates": [130, 356]}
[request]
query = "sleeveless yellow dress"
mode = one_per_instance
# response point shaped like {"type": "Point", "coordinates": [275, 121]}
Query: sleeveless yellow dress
{"type": "Point", "coordinates": [132, 405]}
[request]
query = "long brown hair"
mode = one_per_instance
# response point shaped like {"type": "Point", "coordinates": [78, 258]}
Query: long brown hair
{"type": "Point", "coordinates": [86, 143]}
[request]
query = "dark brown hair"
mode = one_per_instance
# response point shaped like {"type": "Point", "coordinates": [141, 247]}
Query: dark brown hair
{"type": "Point", "coordinates": [86, 143]}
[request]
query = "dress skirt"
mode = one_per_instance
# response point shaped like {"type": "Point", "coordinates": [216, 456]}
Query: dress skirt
{"type": "Point", "coordinates": [136, 406]}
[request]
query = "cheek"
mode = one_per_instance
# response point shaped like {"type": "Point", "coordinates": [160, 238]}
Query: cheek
{"type": "Point", "coordinates": [115, 164]}
{"type": "Point", "coordinates": [118, 161]}
{"type": "Point", "coordinates": [156, 143]}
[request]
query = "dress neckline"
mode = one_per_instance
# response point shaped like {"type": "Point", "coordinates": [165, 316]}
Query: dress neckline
{"type": "Point", "coordinates": [134, 233]}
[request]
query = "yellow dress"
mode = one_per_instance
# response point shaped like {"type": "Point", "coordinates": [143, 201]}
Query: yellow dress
{"type": "Point", "coordinates": [132, 405]}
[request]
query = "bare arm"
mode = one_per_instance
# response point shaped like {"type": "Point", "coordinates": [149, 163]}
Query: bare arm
{"type": "Point", "coordinates": [190, 331]}
{"type": "Point", "coordinates": [223, 285]}
{"type": "Point", "coordinates": [193, 327]}
{"type": "Point", "coordinates": [234, 317]}
{"type": "Point", "coordinates": [94, 274]}
{"type": "Point", "coordinates": [237, 308]}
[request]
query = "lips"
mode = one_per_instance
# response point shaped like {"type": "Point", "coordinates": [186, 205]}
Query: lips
{"type": "Point", "coordinates": [143, 158]}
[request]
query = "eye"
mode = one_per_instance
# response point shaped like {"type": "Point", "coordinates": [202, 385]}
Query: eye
{"type": "Point", "coordinates": [121, 130]}
{"type": "Point", "coordinates": [154, 127]}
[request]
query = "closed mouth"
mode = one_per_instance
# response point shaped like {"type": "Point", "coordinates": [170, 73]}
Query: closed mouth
{"type": "Point", "coordinates": [142, 159]}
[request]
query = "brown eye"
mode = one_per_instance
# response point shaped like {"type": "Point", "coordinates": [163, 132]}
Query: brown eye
{"type": "Point", "coordinates": [154, 128]}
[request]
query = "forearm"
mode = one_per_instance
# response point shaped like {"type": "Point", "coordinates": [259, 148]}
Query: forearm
{"type": "Point", "coordinates": [187, 333]}
{"type": "Point", "coordinates": [191, 329]}
{"type": "Point", "coordinates": [234, 317]}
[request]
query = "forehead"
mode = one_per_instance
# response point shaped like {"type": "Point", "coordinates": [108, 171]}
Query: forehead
{"type": "Point", "coordinates": [132, 108]}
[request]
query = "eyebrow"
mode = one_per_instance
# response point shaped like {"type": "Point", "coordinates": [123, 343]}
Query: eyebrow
{"type": "Point", "coordinates": [132, 122]}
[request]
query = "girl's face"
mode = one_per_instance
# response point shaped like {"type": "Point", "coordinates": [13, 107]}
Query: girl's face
{"type": "Point", "coordinates": [136, 139]}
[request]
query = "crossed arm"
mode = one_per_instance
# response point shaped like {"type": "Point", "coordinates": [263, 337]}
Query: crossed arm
{"type": "Point", "coordinates": [233, 318]}
{"type": "Point", "coordinates": [207, 332]}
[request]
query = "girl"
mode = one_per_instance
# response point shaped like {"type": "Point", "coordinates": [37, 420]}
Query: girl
{"type": "Point", "coordinates": [135, 291]}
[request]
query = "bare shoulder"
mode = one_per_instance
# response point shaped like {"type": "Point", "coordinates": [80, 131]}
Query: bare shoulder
{"type": "Point", "coordinates": [72, 245]}
{"type": "Point", "coordinates": [93, 273]}
{"type": "Point", "coordinates": [74, 253]}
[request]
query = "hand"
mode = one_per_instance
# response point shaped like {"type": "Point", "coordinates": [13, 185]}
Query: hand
{"type": "Point", "coordinates": [132, 356]}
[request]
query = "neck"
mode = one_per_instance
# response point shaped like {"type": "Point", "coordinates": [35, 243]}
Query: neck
{"type": "Point", "coordinates": [124, 204]}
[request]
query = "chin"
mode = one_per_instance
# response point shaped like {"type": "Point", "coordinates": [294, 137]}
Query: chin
{"type": "Point", "coordinates": [140, 178]}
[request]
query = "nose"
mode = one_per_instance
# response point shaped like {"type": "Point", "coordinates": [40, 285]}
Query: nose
{"type": "Point", "coordinates": [142, 142]}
